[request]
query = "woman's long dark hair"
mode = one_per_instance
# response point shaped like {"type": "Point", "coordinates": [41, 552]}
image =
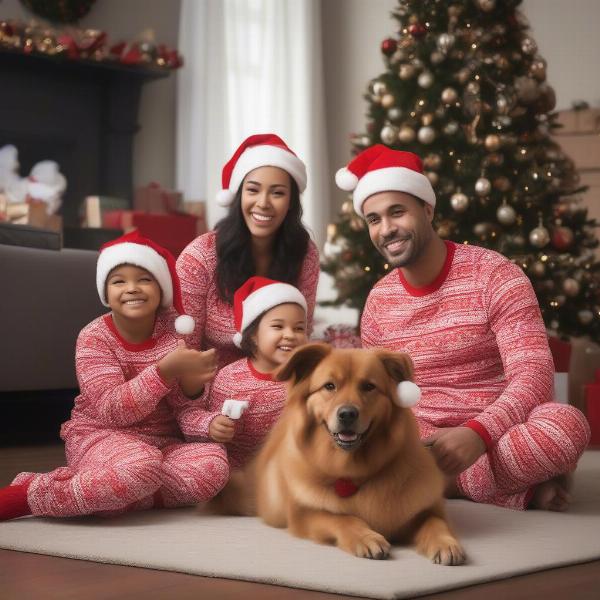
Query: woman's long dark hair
{"type": "Point", "coordinates": [234, 256]}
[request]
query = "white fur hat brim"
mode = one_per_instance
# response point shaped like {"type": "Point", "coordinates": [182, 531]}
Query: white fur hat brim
{"type": "Point", "coordinates": [140, 256]}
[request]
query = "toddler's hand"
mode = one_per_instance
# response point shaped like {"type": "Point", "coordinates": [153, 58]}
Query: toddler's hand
{"type": "Point", "coordinates": [221, 429]}
{"type": "Point", "coordinates": [184, 361]}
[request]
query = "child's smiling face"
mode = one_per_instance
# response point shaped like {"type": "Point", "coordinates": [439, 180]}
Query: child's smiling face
{"type": "Point", "coordinates": [280, 331]}
{"type": "Point", "coordinates": [132, 292]}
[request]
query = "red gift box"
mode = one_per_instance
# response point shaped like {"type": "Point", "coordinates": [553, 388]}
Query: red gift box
{"type": "Point", "coordinates": [561, 354]}
{"type": "Point", "coordinates": [173, 231]}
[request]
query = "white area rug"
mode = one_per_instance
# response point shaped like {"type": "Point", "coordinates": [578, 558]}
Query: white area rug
{"type": "Point", "coordinates": [500, 543]}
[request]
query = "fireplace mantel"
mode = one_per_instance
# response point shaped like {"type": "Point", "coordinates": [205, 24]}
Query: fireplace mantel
{"type": "Point", "coordinates": [82, 114]}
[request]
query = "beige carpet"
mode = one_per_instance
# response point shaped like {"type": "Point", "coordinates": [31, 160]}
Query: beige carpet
{"type": "Point", "coordinates": [500, 543]}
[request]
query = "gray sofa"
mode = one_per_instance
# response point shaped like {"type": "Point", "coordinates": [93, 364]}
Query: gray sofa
{"type": "Point", "coordinates": [47, 297]}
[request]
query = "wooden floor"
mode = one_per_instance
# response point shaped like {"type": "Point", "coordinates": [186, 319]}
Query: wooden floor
{"type": "Point", "coordinates": [26, 576]}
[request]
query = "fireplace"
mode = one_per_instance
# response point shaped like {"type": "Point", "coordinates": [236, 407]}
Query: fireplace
{"type": "Point", "coordinates": [82, 114]}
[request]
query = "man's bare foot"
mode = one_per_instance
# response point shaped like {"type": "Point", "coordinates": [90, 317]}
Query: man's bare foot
{"type": "Point", "coordinates": [553, 494]}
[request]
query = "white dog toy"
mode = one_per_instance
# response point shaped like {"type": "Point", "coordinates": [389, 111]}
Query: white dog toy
{"type": "Point", "coordinates": [409, 394]}
{"type": "Point", "coordinates": [234, 409]}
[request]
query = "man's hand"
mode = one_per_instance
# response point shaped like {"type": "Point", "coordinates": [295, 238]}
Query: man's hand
{"type": "Point", "coordinates": [455, 448]}
{"type": "Point", "coordinates": [221, 429]}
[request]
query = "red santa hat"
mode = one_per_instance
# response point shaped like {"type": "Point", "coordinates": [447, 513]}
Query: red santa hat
{"type": "Point", "coordinates": [258, 295]}
{"type": "Point", "coordinates": [381, 169]}
{"type": "Point", "coordinates": [260, 150]}
{"type": "Point", "coordinates": [134, 249]}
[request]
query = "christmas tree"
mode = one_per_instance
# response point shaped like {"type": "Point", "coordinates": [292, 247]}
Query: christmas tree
{"type": "Point", "coordinates": [465, 89]}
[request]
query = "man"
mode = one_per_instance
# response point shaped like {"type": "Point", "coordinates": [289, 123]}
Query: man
{"type": "Point", "coordinates": [470, 321]}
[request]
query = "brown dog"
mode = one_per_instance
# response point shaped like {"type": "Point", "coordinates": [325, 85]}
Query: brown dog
{"type": "Point", "coordinates": [344, 464]}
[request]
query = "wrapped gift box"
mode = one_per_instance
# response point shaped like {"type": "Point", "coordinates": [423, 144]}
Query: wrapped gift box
{"type": "Point", "coordinates": [33, 213]}
{"type": "Point", "coordinates": [592, 408]}
{"type": "Point", "coordinates": [174, 231]}
{"type": "Point", "coordinates": [153, 198]}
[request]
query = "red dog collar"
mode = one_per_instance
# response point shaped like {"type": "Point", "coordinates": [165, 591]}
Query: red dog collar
{"type": "Point", "coordinates": [344, 488]}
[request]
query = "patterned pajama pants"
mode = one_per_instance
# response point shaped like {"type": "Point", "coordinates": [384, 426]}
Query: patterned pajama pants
{"type": "Point", "coordinates": [548, 444]}
{"type": "Point", "coordinates": [113, 472]}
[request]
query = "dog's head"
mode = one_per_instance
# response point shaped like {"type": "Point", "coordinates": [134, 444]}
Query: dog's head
{"type": "Point", "coordinates": [353, 394]}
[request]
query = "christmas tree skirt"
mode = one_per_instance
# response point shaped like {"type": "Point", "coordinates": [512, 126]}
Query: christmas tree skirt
{"type": "Point", "coordinates": [500, 543]}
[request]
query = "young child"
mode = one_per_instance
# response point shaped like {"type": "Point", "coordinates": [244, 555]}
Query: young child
{"type": "Point", "coordinates": [123, 445]}
{"type": "Point", "coordinates": [270, 318]}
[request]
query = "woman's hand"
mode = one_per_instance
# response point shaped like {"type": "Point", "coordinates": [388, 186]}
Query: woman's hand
{"type": "Point", "coordinates": [221, 429]}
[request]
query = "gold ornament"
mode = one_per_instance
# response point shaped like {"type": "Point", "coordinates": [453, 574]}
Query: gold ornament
{"type": "Point", "coordinates": [406, 134]}
{"type": "Point", "coordinates": [502, 183]}
{"type": "Point", "coordinates": [492, 142]}
{"type": "Point", "coordinates": [425, 80]}
{"type": "Point", "coordinates": [347, 208]}
{"type": "Point", "coordinates": [483, 186]}
{"type": "Point", "coordinates": [433, 177]}
{"type": "Point", "coordinates": [449, 95]}
{"type": "Point", "coordinates": [528, 46]}
{"type": "Point", "coordinates": [427, 119]}
{"type": "Point", "coordinates": [571, 287]}
{"type": "Point", "coordinates": [406, 71]}
{"type": "Point", "coordinates": [388, 100]}
{"type": "Point", "coordinates": [432, 161]}
{"type": "Point", "coordinates": [538, 268]}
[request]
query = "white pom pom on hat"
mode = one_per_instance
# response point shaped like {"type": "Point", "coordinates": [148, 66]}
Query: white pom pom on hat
{"type": "Point", "coordinates": [225, 197]}
{"type": "Point", "coordinates": [346, 180]}
{"type": "Point", "coordinates": [409, 393]}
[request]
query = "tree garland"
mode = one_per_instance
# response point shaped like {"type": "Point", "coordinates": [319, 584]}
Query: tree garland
{"type": "Point", "coordinates": [59, 11]}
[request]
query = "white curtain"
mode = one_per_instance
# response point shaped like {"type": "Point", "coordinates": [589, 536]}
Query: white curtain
{"type": "Point", "coordinates": [252, 66]}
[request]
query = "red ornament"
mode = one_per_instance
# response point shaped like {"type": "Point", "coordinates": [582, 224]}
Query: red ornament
{"type": "Point", "coordinates": [417, 30]}
{"type": "Point", "coordinates": [562, 238]}
{"type": "Point", "coordinates": [388, 46]}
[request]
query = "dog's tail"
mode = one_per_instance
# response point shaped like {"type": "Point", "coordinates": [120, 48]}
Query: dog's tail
{"type": "Point", "coordinates": [238, 497]}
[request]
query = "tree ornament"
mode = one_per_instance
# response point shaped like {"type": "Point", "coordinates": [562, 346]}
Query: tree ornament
{"type": "Point", "coordinates": [527, 89]}
{"type": "Point", "coordinates": [394, 113]}
{"type": "Point", "coordinates": [449, 95]}
{"type": "Point", "coordinates": [433, 177]}
{"type": "Point", "coordinates": [502, 183]}
{"type": "Point", "coordinates": [547, 100]}
{"type": "Point", "coordinates": [538, 69]}
{"type": "Point", "coordinates": [451, 128]}
{"type": "Point", "coordinates": [388, 46]}
{"type": "Point", "coordinates": [389, 134]}
{"type": "Point", "coordinates": [432, 161]}
{"type": "Point", "coordinates": [585, 316]}
{"type": "Point", "coordinates": [445, 42]}
{"type": "Point", "coordinates": [459, 202]}
{"type": "Point", "coordinates": [417, 30]}
{"type": "Point", "coordinates": [528, 46]}
{"type": "Point", "coordinates": [426, 135]}
{"type": "Point", "coordinates": [379, 88]}
{"type": "Point", "coordinates": [483, 186]}
{"type": "Point", "coordinates": [506, 214]}
{"type": "Point", "coordinates": [406, 134]}
{"type": "Point", "coordinates": [539, 237]}
{"type": "Point", "coordinates": [427, 119]}
{"type": "Point", "coordinates": [463, 75]}
{"type": "Point", "coordinates": [538, 268]}
{"type": "Point", "coordinates": [437, 57]}
{"type": "Point", "coordinates": [406, 71]}
{"type": "Point", "coordinates": [562, 238]}
{"type": "Point", "coordinates": [425, 80]}
{"type": "Point", "coordinates": [486, 5]}
{"type": "Point", "coordinates": [571, 287]}
{"type": "Point", "coordinates": [492, 142]}
{"type": "Point", "coordinates": [331, 249]}
{"type": "Point", "coordinates": [388, 100]}
{"type": "Point", "coordinates": [356, 223]}
{"type": "Point", "coordinates": [347, 208]}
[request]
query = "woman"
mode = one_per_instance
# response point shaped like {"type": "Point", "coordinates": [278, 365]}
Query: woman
{"type": "Point", "coordinates": [261, 235]}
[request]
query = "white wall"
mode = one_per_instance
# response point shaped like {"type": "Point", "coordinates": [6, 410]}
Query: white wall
{"type": "Point", "coordinates": [154, 148]}
{"type": "Point", "coordinates": [566, 33]}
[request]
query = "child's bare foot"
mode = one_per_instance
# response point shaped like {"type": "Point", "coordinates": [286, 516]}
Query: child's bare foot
{"type": "Point", "coordinates": [553, 494]}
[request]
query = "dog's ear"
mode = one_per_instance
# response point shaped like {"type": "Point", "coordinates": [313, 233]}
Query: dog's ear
{"type": "Point", "coordinates": [398, 365]}
{"type": "Point", "coordinates": [302, 362]}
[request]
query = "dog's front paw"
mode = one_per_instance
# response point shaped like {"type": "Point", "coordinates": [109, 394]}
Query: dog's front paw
{"type": "Point", "coordinates": [449, 553]}
{"type": "Point", "coordinates": [368, 545]}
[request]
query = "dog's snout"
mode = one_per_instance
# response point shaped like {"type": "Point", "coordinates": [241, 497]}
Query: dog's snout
{"type": "Point", "coordinates": [347, 414]}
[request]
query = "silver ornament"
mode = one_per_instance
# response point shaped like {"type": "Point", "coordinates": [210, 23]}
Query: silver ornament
{"type": "Point", "coordinates": [426, 135]}
{"type": "Point", "coordinates": [451, 128]}
{"type": "Point", "coordinates": [585, 316]}
{"type": "Point", "coordinates": [483, 186]}
{"type": "Point", "coordinates": [571, 287]}
{"type": "Point", "coordinates": [379, 88]}
{"type": "Point", "coordinates": [459, 202]}
{"type": "Point", "coordinates": [425, 80]}
{"type": "Point", "coordinates": [394, 113]}
{"type": "Point", "coordinates": [486, 5]}
{"type": "Point", "coordinates": [445, 42]}
{"type": "Point", "coordinates": [506, 214]}
{"type": "Point", "coordinates": [539, 237]}
{"type": "Point", "coordinates": [449, 95]}
{"type": "Point", "coordinates": [389, 134]}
